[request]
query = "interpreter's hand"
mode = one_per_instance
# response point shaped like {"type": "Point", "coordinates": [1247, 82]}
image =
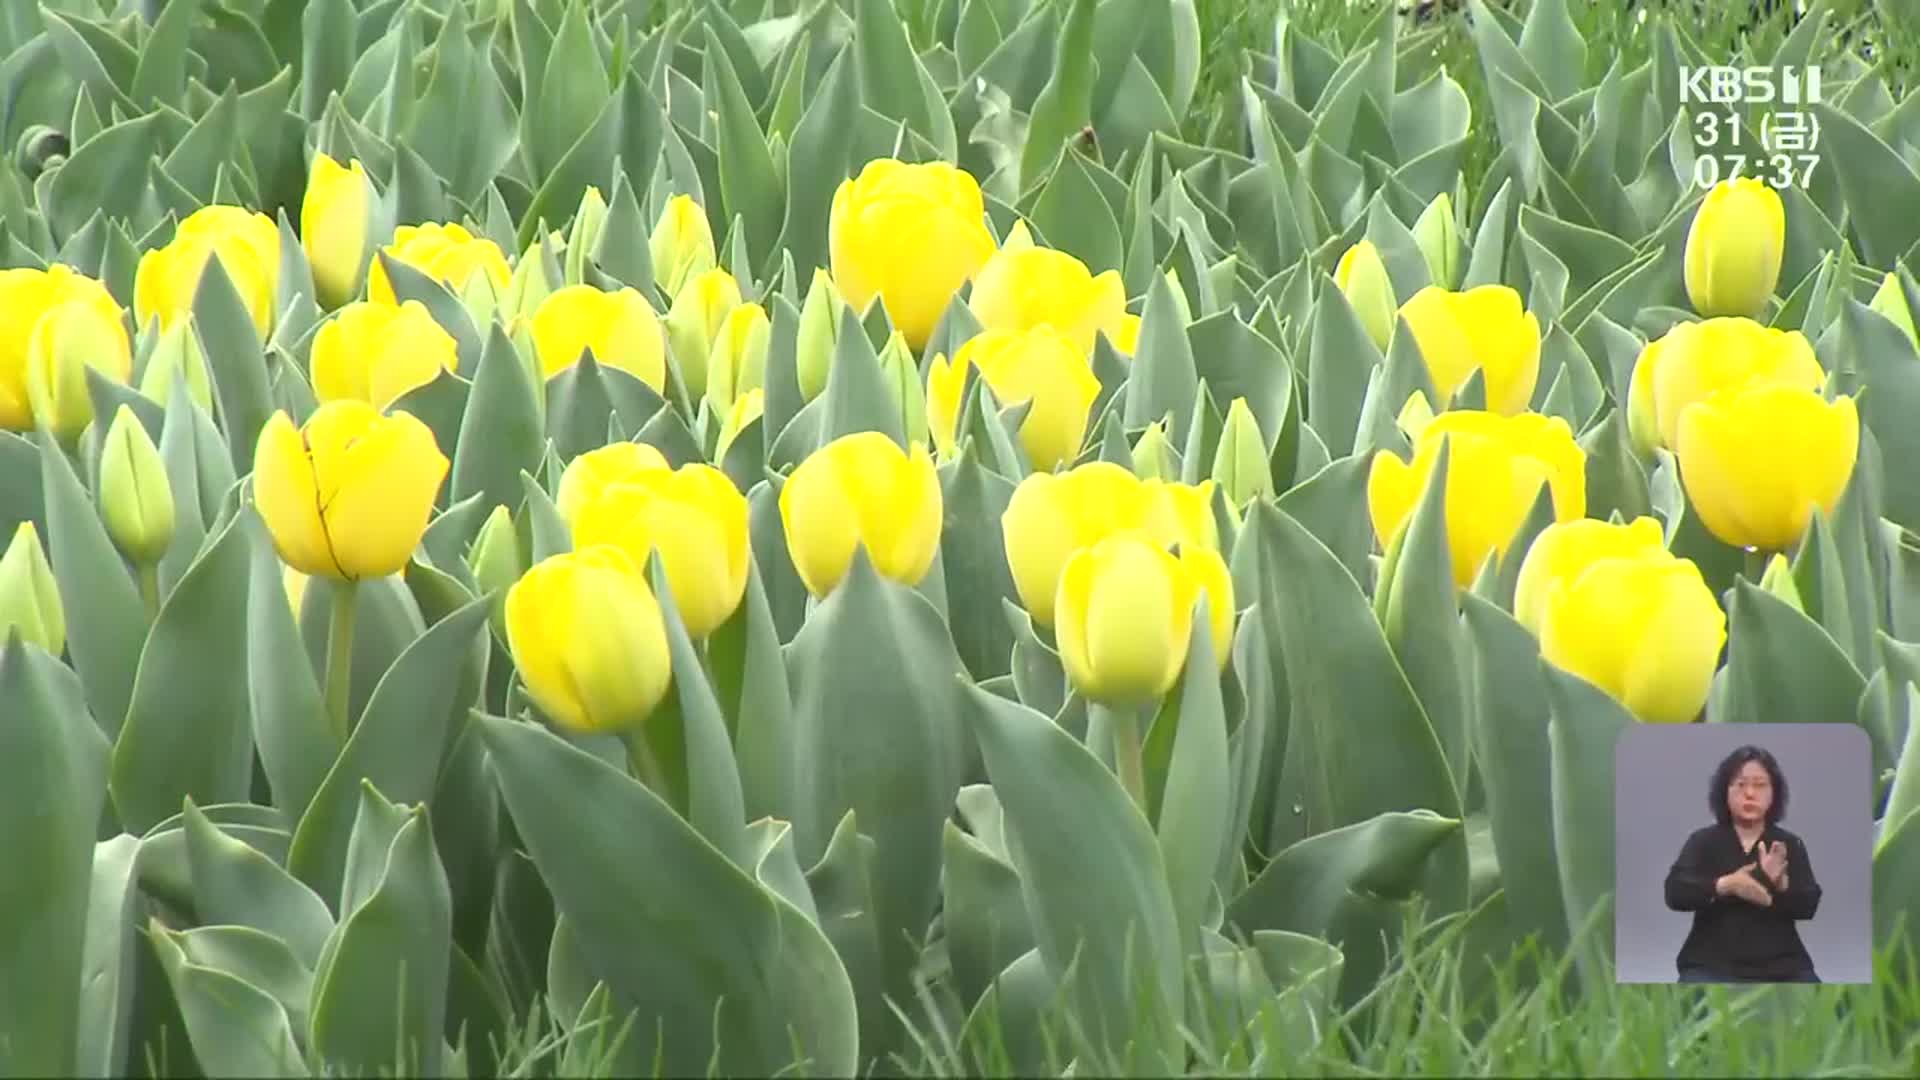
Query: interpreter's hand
{"type": "Point", "coordinates": [1773, 861]}
{"type": "Point", "coordinates": [1740, 883]}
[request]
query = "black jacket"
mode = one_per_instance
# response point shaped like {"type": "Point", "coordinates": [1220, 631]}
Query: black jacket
{"type": "Point", "coordinates": [1732, 937]}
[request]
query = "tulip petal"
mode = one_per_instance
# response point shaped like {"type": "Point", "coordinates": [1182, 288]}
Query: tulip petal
{"type": "Point", "coordinates": [383, 488]}
{"type": "Point", "coordinates": [285, 493]}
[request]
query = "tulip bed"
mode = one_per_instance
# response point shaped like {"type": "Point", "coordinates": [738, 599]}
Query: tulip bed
{"type": "Point", "coordinates": [546, 535]}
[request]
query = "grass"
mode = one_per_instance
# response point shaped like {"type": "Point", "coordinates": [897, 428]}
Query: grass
{"type": "Point", "coordinates": [1431, 1014]}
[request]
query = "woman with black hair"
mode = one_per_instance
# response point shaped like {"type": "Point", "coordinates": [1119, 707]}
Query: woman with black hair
{"type": "Point", "coordinates": [1746, 880]}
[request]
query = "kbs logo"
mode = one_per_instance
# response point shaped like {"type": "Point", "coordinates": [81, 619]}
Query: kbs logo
{"type": "Point", "coordinates": [1750, 86]}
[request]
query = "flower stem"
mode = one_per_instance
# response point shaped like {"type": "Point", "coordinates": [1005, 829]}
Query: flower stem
{"type": "Point", "coordinates": [1756, 565]}
{"type": "Point", "coordinates": [1124, 722]}
{"type": "Point", "coordinates": [646, 765]}
{"type": "Point", "coordinates": [340, 657]}
{"type": "Point", "coordinates": [149, 574]}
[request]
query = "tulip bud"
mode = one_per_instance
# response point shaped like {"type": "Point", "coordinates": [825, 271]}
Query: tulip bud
{"type": "Point", "coordinates": [1180, 297]}
{"type": "Point", "coordinates": [335, 223]}
{"type": "Point", "coordinates": [1153, 455]}
{"type": "Point", "coordinates": [1891, 301]}
{"type": "Point", "coordinates": [1778, 580]}
{"type": "Point", "coordinates": [820, 316]}
{"type": "Point", "coordinates": [1438, 239]}
{"type": "Point", "coordinates": [588, 221]}
{"type": "Point", "coordinates": [178, 354]}
{"type": "Point", "coordinates": [483, 302]}
{"type": "Point", "coordinates": [589, 641]}
{"type": "Point", "coordinates": [1362, 277]}
{"type": "Point", "coordinates": [747, 408]}
{"type": "Point", "coordinates": [681, 245]}
{"type": "Point", "coordinates": [738, 362]}
{"type": "Point", "coordinates": [29, 600]}
{"type": "Point", "coordinates": [1734, 248]}
{"type": "Point", "coordinates": [699, 310]}
{"type": "Point", "coordinates": [1124, 616]}
{"type": "Point", "coordinates": [531, 283]}
{"type": "Point", "coordinates": [903, 378]}
{"type": "Point", "coordinates": [1240, 462]}
{"type": "Point", "coordinates": [497, 562]}
{"type": "Point", "coordinates": [135, 499]}
{"type": "Point", "coordinates": [67, 341]}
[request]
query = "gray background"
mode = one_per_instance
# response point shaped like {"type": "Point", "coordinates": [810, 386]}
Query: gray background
{"type": "Point", "coordinates": [1660, 795]}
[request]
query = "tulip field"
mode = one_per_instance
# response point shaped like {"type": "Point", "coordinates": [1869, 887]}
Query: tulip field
{"type": "Point", "coordinates": [1015, 537]}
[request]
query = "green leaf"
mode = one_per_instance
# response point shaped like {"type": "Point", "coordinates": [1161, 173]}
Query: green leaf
{"type": "Point", "coordinates": [1065, 105]}
{"type": "Point", "coordinates": [875, 731]}
{"type": "Point", "coordinates": [397, 746]}
{"type": "Point", "coordinates": [973, 556]}
{"type": "Point", "coordinates": [502, 403]}
{"type": "Point", "coordinates": [1512, 758]}
{"type": "Point", "coordinates": [983, 912]}
{"type": "Point", "coordinates": [1896, 901]}
{"type": "Point", "coordinates": [1358, 743]}
{"type": "Point", "coordinates": [55, 763]}
{"type": "Point", "coordinates": [234, 1027]}
{"type": "Point", "coordinates": [186, 735]}
{"type": "Point", "coordinates": [1875, 181]}
{"type": "Point", "coordinates": [94, 179]}
{"type": "Point", "coordinates": [379, 995]}
{"type": "Point", "coordinates": [107, 973]}
{"type": "Point", "coordinates": [1163, 382]}
{"type": "Point", "coordinates": [582, 398]}
{"type": "Point", "coordinates": [1782, 667]}
{"type": "Point", "coordinates": [1583, 726]}
{"type": "Point", "coordinates": [857, 397]}
{"type": "Point", "coordinates": [1346, 885]}
{"type": "Point", "coordinates": [1094, 880]}
{"type": "Point", "coordinates": [234, 361]}
{"type": "Point", "coordinates": [1420, 616]}
{"type": "Point", "coordinates": [749, 184]}
{"type": "Point", "coordinates": [690, 952]}
{"type": "Point", "coordinates": [463, 125]}
{"type": "Point", "coordinates": [106, 621]}
{"type": "Point", "coordinates": [1194, 804]}
{"type": "Point", "coordinates": [750, 674]}
{"type": "Point", "coordinates": [234, 884]}
{"type": "Point", "coordinates": [823, 143]}
{"type": "Point", "coordinates": [1075, 217]}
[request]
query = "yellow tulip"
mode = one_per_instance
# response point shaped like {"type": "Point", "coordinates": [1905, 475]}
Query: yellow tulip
{"type": "Point", "coordinates": [862, 490]}
{"type": "Point", "coordinates": [620, 327]}
{"type": "Point", "coordinates": [1565, 548]}
{"type": "Point", "coordinates": [1496, 465]}
{"type": "Point", "coordinates": [67, 341]}
{"type": "Point", "coordinates": [738, 362]}
{"type": "Point", "coordinates": [447, 253]}
{"type": "Point", "coordinates": [1126, 337]}
{"type": "Point", "coordinates": [136, 499]}
{"type": "Point", "coordinates": [909, 235]}
{"type": "Point", "coordinates": [335, 227]}
{"type": "Point", "coordinates": [1695, 359]}
{"type": "Point", "coordinates": [29, 597]}
{"type": "Point", "coordinates": [1040, 365]}
{"type": "Point", "coordinates": [1053, 515]}
{"type": "Point", "coordinates": [681, 245]}
{"type": "Point", "coordinates": [1024, 286]}
{"type": "Point", "coordinates": [1757, 460]}
{"type": "Point", "coordinates": [589, 641]}
{"type": "Point", "coordinates": [593, 472]}
{"type": "Point", "coordinates": [1362, 278]}
{"type": "Point", "coordinates": [27, 297]}
{"type": "Point", "coordinates": [378, 353]}
{"type": "Point", "coordinates": [1481, 328]}
{"type": "Point", "coordinates": [1125, 616]}
{"type": "Point", "coordinates": [694, 322]}
{"type": "Point", "coordinates": [746, 408]}
{"type": "Point", "coordinates": [247, 244]}
{"type": "Point", "coordinates": [695, 520]}
{"type": "Point", "coordinates": [348, 496]}
{"type": "Point", "coordinates": [1734, 248]}
{"type": "Point", "coordinates": [1648, 631]}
